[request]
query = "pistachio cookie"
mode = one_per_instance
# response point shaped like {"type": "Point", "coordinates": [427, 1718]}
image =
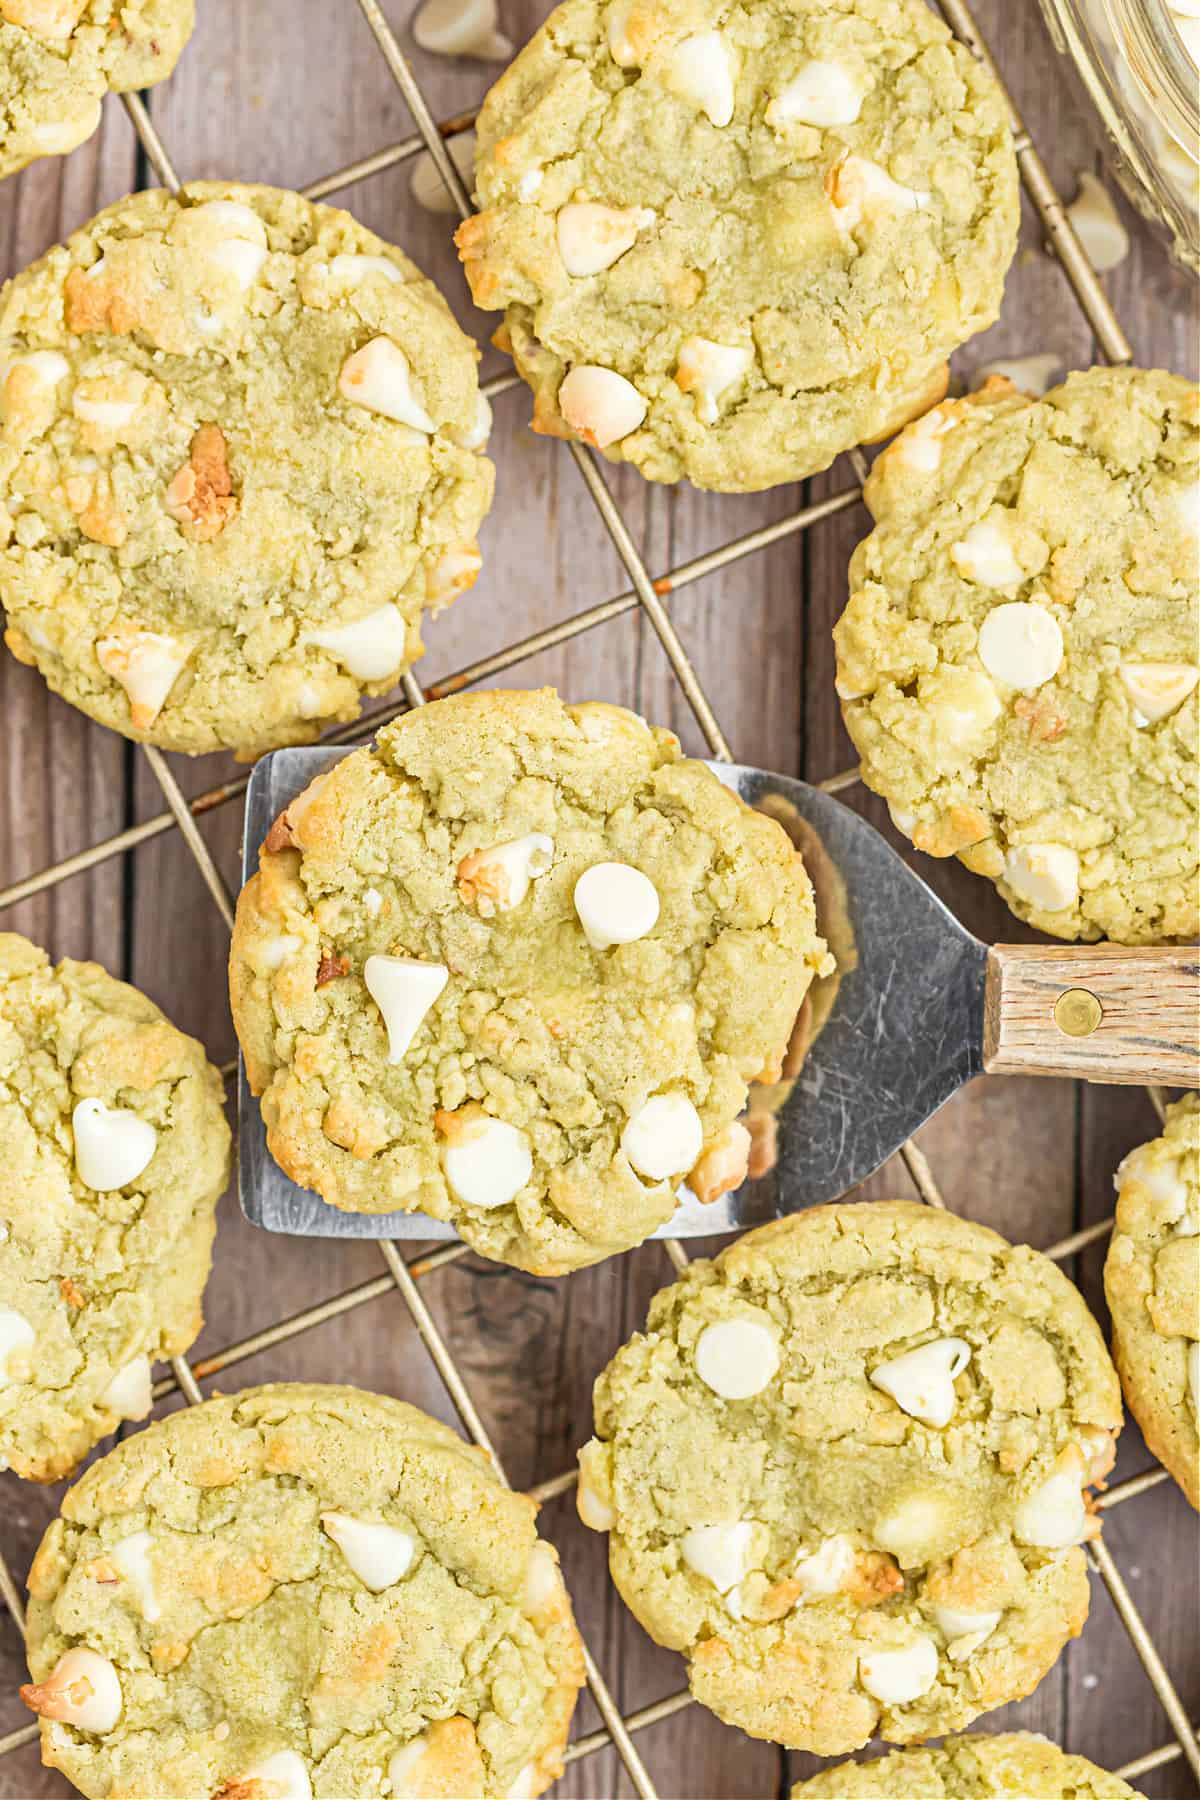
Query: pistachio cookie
{"type": "Point", "coordinates": [300, 1592]}
{"type": "Point", "coordinates": [514, 967]}
{"type": "Point", "coordinates": [58, 58]}
{"type": "Point", "coordinates": [845, 1471]}
{"type": "Point", "coordinates": [970, 1768]}
{"type": "Point", "coordinates": [116, 1151]}
{"type": "Point", "coordinates": [1152, 1284]}
{"type": "Point", "coordinates": [733, 240]}
{"type": "Point", "coordinates": [239, 459]}
{"type": "Point", "coordinates": [1017, 662]}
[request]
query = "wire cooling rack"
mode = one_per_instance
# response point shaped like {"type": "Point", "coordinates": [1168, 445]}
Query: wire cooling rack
{"type": "Point", "coordinates": [649, 596]}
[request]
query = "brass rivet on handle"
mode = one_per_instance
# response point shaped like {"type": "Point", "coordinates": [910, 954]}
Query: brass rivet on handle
{"type": "Point", "coordinates": [1077, 1012]}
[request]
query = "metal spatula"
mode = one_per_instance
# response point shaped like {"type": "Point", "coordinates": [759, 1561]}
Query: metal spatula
{"type": "Point", "coordinates": [920, 1007]}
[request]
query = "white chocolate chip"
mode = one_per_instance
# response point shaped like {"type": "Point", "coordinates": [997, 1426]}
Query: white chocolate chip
{"type": "Point", "coordinates": [476, 435]}
{"type": "Point", "coordinates": [372, 902]}
{"type": "Point", "coordinates": [130, 1393]}
{"type": "Point", "coordinates": [452, 574]}
{"type": "Point", "coordinates": [737, 1357]}
{"type": "Point", "coordinates": [370, 648]}
{"type": "Point", "coordinates": [543, 1583]}
{"type": "Point", "coordinates": [1047, 875]}
{"type": "Point", "coordinates": [16, 1339]}
{"type": "Point", "coordinates": [1187, 505]}
{"type": "Point", "coordinates": [1031, 374]}
{"type": "Point", "coordinates": [986, 555]}
{"type": "Point", "coordinates": [112, 1146]}
{"type": "Point", "coordinates": [488, 1163]}
{"type": "Point", "coordinates": [404, 1770]}
{"type": "Point", "coordinates": [820, 93]}
{"type": "Point", "coordinates": [964, 1631]}
{"type": "Point", "coordinates": [106, 415]}
{"type": "Point", "coordinates": [378, 1554]}
{"type": "Point", "coordinates": [963, 702]}
{"type": "Point", "coordinates": [918, 445]}
{"type": "Point", "coordinates": [594, 1511]}
{"type": "Point", "coordinates": [1098, 225]}
{"type": "Point", "coordinates": [242, 260]}
{"type": "Point", "coordinates": [827, 1569]}
{"type": "Point", "coordinates": [894, 1677]}
{"type": "Point", "coordinates": [705, 369]}
{"type": "Point", "coordinates": [616, 904]}
{"type": "Point", "coordinates": [351, 271]}
{"type": "Point", "coordinates": [403, 989]}
{"type": "Point", "coordinates": [54, 19]}
{"type": "Point", "coordinates": [911, 1526]}
{"type": "Point", "coordinates": [46, 367]}
{"type": "Point", "coordinates": [921, 1382]}
{"type": "Point", "coordinates": [599, 405]}
{"type": "Point", "coordinates": [1054, 1515]}
{"type": "Point", "coordinates": [530, 184]}
{"type": "Point", "coordinates": [526, 1784]}
{"type": "Point", "coordinates": [132, 1557]}
{"type": "Point", "coordinates": [1021, 644]}
{"type": "Point", "coordinates": [272, 954]}
{"type": "Point", "coordinates": [1157, 688]}
{"type": "Point", "coordinates": [83, 1690]}
{"type": "Point", "coordinates": [283, 1776]}
{"type": "Point", "coordinates": [379, 377]}
{"type": "Point", "coordinates": [425, 184]}
{"type": "Point", "coordinates": [1161, 1179]}
{"type": "Point", "coordinates": [591, 237]}
{"type": "Point", "coordinates": [462, 28]}
{"type": "Point", "coordinates": [498, 878]}
{"type": "Point", "coordinates": [718, 1553]}
{"type": "Point", "coordinates": [147, 664]}
{"type": "Point", "coordinates": [664, 1137]}
{"type": "Point", "coordinates": [232, 216]}
{"type": "Point", "coordinates": [858, 187]}
{"type": "Point", "coordinates": [701, 69]}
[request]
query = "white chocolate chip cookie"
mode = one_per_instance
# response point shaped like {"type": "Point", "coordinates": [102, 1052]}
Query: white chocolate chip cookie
{"type": "Point", "coordinates": [730, 242]}
{"type": "Point", "coordinates": [846, 1468]}
{"type": "Point", "coordinates": [515, 967]}
{"type": "Point", "coordinates": [240, 458]}
{"type": "Point", "coordinates": [1018, 660]}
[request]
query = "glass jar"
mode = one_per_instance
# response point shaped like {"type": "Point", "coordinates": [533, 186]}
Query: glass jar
{"type": "Point", "coordinates": [1133, 59]}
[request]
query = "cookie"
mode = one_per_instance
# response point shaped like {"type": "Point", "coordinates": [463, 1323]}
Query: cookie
{"type": "Point", "coordinates": [1017, 662]}
{"type": "Point", "coordinates": [514, 967]}
{"type": "Point", "coordinates": [239, 459]}
{"type": "Point", "coordinates": [845, 1471]}
{"type": "Point", "coordinates": [732, 241]}
{"type": "Point", "coordinates": [970, 1768]}
{"type": "Point", "coordinates": [300, 1593]}
{"type": "Point", "coordinates": [1152, 1284]}
{"type": "Point", "coordinates": [116, 1152]}
{"type": "Point", "coordinates": [58, 58]}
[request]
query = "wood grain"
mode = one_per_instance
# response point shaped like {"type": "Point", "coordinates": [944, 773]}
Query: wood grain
{"type": "Point", "coordinates": [284, 91]}
{"type": "Point", "coordinates": [1101, 1012]}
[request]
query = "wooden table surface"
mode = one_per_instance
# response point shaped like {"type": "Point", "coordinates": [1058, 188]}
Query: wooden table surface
{"type": "Point", "coordinates": [285, 91]}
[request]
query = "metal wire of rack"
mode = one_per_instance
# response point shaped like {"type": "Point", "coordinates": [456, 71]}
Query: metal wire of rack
{"type": "Point", "coordinates": [649, 596]}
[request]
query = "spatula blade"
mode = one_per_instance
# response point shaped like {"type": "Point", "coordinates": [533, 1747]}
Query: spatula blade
{"type": "Point", "coordinates": [904, 1034]}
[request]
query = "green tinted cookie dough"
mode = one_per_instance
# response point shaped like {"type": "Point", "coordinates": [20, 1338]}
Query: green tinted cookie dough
{"type": "Point", "coordinates": [431, 1027]}
{"type": "Point", "coordinates": [58, 58]}
{"type": "Point", "coordinates": [300, 1593]}
{"type": "Point", "coordinates": [845, 1470]}
{"type": "Point", "coordinates": [970, 1768]}
{"type": "Point", "coordinates": [732, 240]}
{"type": "Point", "coordinates": [240, 457]}
{"type": "Point", "coordinates": [116, 1151]}
{"type": "Point", "coordinates": [1018, 659]}
{"type": "Point", "coordinates": [1152, 1284]}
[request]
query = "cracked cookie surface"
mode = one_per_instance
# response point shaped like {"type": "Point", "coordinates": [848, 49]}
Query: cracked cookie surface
{"type": "Point", "coordinates": [515, 967]}
{"type": "Point", "coordinates": [240, 457]}
{"type": "Point", "coordinates": [1018, 663]}
{"type": "Point", "coordinates": [731, 241]}
{"type": "Point", "coordinates": [970, 1768]}
{"type": "Point", "coordinates": [845, 1472]}
{"type": "Point", "coordinates": [300, 1590]}
{"type": "Point", "coordinates": [1152, 1284]}
{"type": "Point", "coordinates": [116, 1151]}
{"type": "Point", "coordinates": [58, 58]}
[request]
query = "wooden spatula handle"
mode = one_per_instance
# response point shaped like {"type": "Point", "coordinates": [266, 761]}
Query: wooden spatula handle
{"type": "Point", "coordinates": [1098, 1012]}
